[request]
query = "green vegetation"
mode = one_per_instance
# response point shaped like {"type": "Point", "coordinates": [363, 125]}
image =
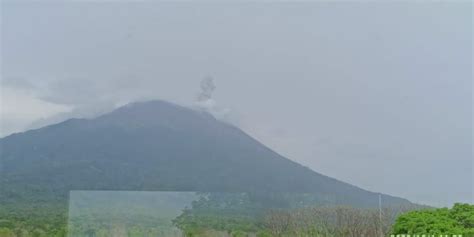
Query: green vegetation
{"type": "Point", "coordinates": [282, 216]}
{"type": "Point", "coordinates": [244, 214]}
{"type": "Point", "coordinates": [235, 215]}
{"type": "Point", "coordinates": [442, 221]}
{"type": "Point", "coordinates": [46, 221]}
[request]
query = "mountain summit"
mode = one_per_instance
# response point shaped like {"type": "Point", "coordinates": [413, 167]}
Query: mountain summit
{"type": "Point", "coordinates": [159, 146]}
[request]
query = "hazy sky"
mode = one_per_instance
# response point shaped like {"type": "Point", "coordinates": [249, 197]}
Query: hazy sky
{"type": "Point", "coordinates": [375, 94]}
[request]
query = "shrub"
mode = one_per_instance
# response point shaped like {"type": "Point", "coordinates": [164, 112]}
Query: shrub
{"type": "Point", "coordinates": [441, 221]}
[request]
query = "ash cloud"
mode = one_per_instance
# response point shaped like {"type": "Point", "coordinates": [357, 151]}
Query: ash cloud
{"type": "Point", "coordinates": [205, 102]}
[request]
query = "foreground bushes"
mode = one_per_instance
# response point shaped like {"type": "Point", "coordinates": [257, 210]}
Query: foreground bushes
{"type": "Point", "coordinates": [443, 221]}
{"type": "Point", "coordinates": [304, 222]}
{"type": "Point", "coordinates": [331, 222]}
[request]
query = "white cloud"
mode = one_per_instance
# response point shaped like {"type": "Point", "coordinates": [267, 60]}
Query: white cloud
{"type": "Point", "coordinates": [19, 108]}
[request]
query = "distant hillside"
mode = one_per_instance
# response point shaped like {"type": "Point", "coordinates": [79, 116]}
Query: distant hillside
{"type": "Point", "coordinates": [157, 145]}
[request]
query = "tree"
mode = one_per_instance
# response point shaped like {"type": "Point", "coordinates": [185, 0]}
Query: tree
{"type": "Point", "coordinates": [441, 221]}
{"type": "Point", "coordinates": [4, 232]}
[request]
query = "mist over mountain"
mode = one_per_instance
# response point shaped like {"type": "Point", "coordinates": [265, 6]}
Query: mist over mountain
{"type": "Point", "coordinates": [159, 146]}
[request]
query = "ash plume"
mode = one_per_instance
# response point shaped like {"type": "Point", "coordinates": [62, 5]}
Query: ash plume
{"type": "Point", "coordinates": [207, 87]}
{"type": "Point", "coordinates": [205, 102]}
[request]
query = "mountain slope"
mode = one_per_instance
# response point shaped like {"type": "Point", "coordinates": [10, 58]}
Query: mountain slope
{"type": "Point", "coordinates": [158, 146]}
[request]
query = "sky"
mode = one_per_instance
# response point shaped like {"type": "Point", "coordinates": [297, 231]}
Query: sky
{"type": "Point", "coordinates": [375, 94]}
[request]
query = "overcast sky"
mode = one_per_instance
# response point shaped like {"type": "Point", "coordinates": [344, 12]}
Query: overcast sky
{"type": "Point", "coordinates": [375, 94]}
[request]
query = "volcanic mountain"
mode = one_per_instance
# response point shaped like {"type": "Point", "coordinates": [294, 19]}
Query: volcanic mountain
{"type": "Point", "coordinates": [159, 146]}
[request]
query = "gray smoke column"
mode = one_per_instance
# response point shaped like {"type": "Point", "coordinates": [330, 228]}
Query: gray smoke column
{"type": "Point", "coordinates": [207, 87]}
{"type": "Point", "coordinates": [205, 102]}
